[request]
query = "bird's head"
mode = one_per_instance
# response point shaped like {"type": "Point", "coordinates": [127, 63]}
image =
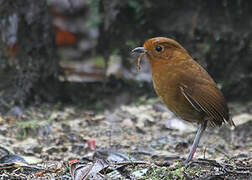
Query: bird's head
{"type": "Point", "coordinates": [161, 50]}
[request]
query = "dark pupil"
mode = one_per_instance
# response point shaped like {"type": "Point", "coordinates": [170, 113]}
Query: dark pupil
{"type": "Point", "coordinates": [158, 48]}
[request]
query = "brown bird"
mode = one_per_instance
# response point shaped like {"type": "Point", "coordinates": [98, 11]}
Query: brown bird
{"type": "Point", "coordinates": [184, 86]}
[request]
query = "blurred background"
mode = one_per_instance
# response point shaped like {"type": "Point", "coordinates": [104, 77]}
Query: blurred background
{"type": "Point", "coordinates": [66, 50]}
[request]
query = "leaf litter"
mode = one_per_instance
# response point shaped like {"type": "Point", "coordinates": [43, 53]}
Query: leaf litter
{"type": "Point", "coordinates": [131, 142]}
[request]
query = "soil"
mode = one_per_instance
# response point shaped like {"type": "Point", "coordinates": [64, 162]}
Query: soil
{"type": "Point", "coordinates": [141, 140]}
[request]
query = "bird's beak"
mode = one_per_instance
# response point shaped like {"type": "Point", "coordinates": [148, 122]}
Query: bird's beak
{"type": "Point", "coordinates": [142, 52]}
{"type": "Point", "coordinates": [139, 50]}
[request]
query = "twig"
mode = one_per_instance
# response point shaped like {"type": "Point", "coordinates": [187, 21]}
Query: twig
{"type": "Point", "coordinates": [205, 152]}
{"type": "Point", "coordinates": [131, 163]}
{"type": "Point", "coordinates": [227, 168]}
{"type": "Point", "coordinates": [222, 152]}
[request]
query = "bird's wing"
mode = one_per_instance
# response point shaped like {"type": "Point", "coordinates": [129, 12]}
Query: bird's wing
{"type": "Point", "coordinates": [204, 96]}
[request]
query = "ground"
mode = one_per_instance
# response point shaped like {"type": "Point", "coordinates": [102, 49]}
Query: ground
{"type": "Point", "coordinates": [141, 140]}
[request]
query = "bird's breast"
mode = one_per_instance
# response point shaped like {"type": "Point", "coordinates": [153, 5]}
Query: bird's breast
{"type": "Point", "coordinates": [166, 81]}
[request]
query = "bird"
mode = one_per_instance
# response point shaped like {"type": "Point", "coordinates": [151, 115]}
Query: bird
{"type": "Point", "coordinates": [184, 86]}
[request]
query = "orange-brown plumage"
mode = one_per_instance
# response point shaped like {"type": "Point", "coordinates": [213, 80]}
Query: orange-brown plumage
{"type": "Point", "coordinates": [183, 85]}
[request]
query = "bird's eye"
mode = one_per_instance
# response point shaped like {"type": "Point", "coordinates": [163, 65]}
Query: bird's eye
{"type": "Point", "coordinates": [158, 48]}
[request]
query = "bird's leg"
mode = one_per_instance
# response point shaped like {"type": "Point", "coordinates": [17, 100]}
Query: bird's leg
{"type": "Point", "coordinates": [200, 130]}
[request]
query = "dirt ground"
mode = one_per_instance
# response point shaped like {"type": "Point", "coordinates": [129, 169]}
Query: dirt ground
{"type": "Point", "coordinates": [137, 141]}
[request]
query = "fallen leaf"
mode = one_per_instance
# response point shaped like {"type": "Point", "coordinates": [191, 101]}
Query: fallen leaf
{"type": "Point", "coordinates": [88, 171]}
{"type": "Point", "coordinates": [242, 118]}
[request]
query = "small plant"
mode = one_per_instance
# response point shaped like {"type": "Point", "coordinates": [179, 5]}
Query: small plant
{"type": "Point", "coordinates": [158, 173]}
{"type": "Point", "coordinates": [178, 173]}
{"type": "Point", "coordinates": [25, 127]}
{"type": "Point", "coordinates": [193, 171]}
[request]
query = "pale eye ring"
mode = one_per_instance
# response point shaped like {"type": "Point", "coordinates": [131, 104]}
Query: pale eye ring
{"type": "Point", "coordinates": [158, 48]}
